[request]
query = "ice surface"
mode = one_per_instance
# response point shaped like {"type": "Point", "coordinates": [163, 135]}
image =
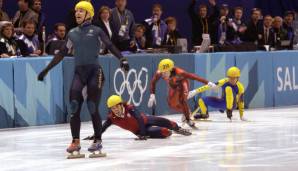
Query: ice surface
{"type": "Point", "coordinates": [269, 142]}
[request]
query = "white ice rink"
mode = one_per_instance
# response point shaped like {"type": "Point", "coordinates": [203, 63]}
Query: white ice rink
{"type": "Point", "coordinates": [268, 143]}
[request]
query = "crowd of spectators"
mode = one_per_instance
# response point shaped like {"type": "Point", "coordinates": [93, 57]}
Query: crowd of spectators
{"type": "Point", "coordinates": [24, 34]}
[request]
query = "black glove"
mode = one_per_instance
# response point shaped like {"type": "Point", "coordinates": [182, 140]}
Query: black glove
{"type": "Point", "coordinates": [124, 64]}
{"type": "Point", "coordinates": [229, 114]}
{"type": "Point", "coordinates": [141, 137]}
{"type": "Point", "coordinates": [41, 75]}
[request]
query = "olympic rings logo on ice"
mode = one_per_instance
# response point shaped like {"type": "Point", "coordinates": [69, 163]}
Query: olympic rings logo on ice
{"type": "Point", "coordinates": [136, 84]}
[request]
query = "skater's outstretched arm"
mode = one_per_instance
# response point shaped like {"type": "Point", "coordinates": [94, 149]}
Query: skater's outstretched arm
{"type": "Point", "coordinates": [108, 43]}
{"type": "Point", "coordinates": [193, 77]}
{"type": "Point", "coordinates": [153, 82]}
{"type": "Point", "coordinates": [137, 115]}
{"type": "Point", "coordinates": [207, 87]}
{"type": "Point", "coordinates": [56, 60]}
{"type": "Point", "coordinates": [106, 125]}
{"type": "Point", "coordinates": [204, 88]}
{"type": "Point", "coordinates": [152, 99]}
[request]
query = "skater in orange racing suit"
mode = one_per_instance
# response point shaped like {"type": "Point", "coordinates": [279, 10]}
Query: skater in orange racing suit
{"type": "Point", "coordinates": [178, 84]}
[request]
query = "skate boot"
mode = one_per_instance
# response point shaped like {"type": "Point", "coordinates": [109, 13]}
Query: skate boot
{"type": "Point", "coordinates": [95, 149]}
{"type": "Point", "coordinates": [183, 131]}
{"type": "Point", "coordinates": [191, 124]}
{"type": "Point", "coordinates": [74, 150]}
{"type": "Point", "coordinates": [201, 116]}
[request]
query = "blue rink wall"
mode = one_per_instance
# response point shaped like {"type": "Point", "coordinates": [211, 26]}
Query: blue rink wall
{"type": "Point", "coordinates": [270, 79]}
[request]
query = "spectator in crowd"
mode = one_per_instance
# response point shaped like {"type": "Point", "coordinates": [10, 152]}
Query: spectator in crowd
{"type": "Point", "coordinates": [236, 27]}
{"type": "Point", "coordinates": [71, 19]}
{"type": "Point", "coordinates": [3, 15]}
{"type": "Point", "coordinates": [28, 41]}
{"type": "Point", "coordinates": [288, 26]}
{"type": "Point", "coordinates": [280, 34]}
{"type": "Point", "coordinates": [8, 44]}
{"type": "Point", "coordinates": [123, 22]}
{"type": "Point", "coordinates": [58, 36]}
{"type": "Point", "coordinates": [140, 37]}
{"type": "Point", "coordinates": [253, 26]}
{"type": "Point", "coordinates": [105, 24]}
{"type": "Point", "coordinates": [23, 14]}
{"type": "Point", "coordinates": [201, 22]}
{"type": "Point", "coordinates": [222, 24]}
{"type": "Point", "coordinates": [155, 27]}
{"type": "Point", "coordinates": [295, 28]}
{"type": "Point", "coordinates": [172, 34]}
{"type": "Point", "coordinates": [59, 32]}
{"type": "Point", "coordinates": [36, 7]}
{"type": "Point", "coordinates": [266, 34]}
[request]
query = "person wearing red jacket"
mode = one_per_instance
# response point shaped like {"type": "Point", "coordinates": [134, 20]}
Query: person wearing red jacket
{"type": "Point", "coordinates": [178, 83]}
{"type": "Point", "coordinates": [127, 117]}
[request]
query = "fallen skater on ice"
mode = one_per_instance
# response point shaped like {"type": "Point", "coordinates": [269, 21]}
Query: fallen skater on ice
{"type": "Point", "coordinates": [129, 118]}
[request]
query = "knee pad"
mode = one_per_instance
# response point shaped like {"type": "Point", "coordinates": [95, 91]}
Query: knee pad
{"type": "Point", "coordinates": [74, 106]}
{"type": "Point", "coordinates": [166, 132]}
{"type": "Point", "coordinates": [91, 107]}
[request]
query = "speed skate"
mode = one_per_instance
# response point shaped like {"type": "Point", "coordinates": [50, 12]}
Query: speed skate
{"type": "Point", "coordinates": [75, 155]}
{"type": "Point", "coordinates": [95, 150]}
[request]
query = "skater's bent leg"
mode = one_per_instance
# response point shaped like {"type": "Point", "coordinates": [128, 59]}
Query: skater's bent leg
{"type": "Point", "coordinates": [162, 122]}
{"type": "Point", "coordinates": [76, 100]}
{"type": "Point", "coordinates": [229, 98]}
{"type": "Point", "coordinates": [158, 132]}
{"type": "Point", "coordinates": [205, 102]}
{"type": "Point", "coordinates": [94, 90]}
{"type": "Point", "coordinates": [214, 102]}
{"type": "Point", "coordinates": [203, 106]}
{"type": "Point", "coordinates": [183, 99]}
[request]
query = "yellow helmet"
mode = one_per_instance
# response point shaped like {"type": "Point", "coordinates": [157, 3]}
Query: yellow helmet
{"type": "Point", "coordinates": [233, 72]}
{"type": "Point", "coordinates": [166, 65]}
{"type": "Point", "coordinates": [85, 5]}
{"type": "Point", "coordinates": [114, 100]}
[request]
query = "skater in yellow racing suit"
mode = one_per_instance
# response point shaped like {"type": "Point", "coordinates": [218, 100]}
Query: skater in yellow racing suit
{"type": "Point", "coordinates": [232, 96]}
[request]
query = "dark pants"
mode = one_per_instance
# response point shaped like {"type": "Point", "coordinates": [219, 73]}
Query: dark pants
{"type": "Point", "coordinates": [92, 77]}
{"type": "Point", "coordinates": [158, 127]}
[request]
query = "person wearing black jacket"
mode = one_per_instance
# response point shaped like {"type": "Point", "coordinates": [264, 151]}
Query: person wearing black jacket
{"type": "Point", "coordinates": [253, 26]}
{"type": "Point", "coordinates": [8, 44]}
{"type": "Point", "coordinates": [172, 34]}
{"type": "Point", "coordinates": [236, 27]}
{"type": "Point", "coordinates": [201, 22]}
{"type": "Point", "coordinates": [105, 24]}
{"type": "Point", "coordinates": [288, 26]}
{"type": "Point", "coordinates": [155, 28]}
{"type": "Point", "coordinates": [266, 34]}
{"type": "Point", "coordinates": [280, 34]}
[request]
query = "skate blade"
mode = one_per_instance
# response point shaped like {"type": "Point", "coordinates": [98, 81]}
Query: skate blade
{"type": "Point", "coordinates": [189, 134]}
{"type": "Point", "coordinates": [75, 156]}
{"type": "Point", "coordinates": [203, 120]}
{"type": "Point", "coordinates": [194, 127]}
{"type": "Point", "coordinates": [97, 155]}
